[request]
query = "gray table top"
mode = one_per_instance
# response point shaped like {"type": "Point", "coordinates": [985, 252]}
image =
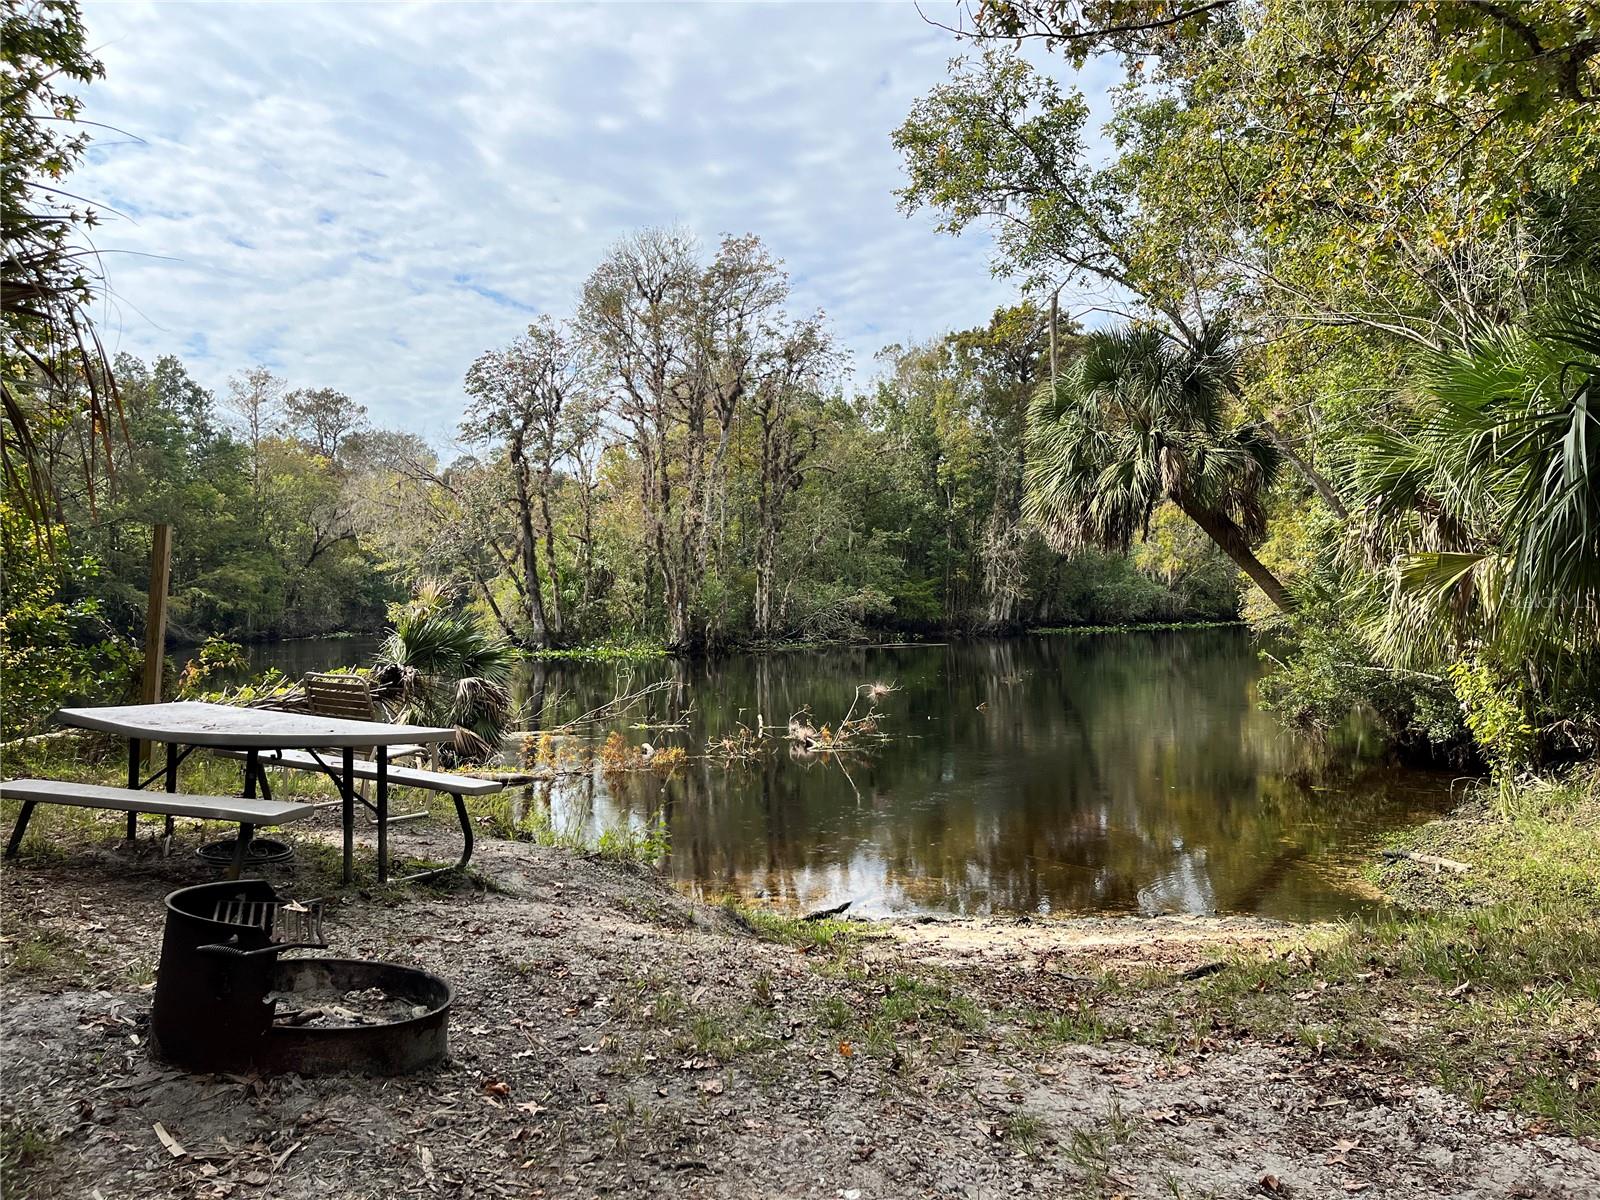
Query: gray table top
{"type": "Point", "coordinates": [194, 723]}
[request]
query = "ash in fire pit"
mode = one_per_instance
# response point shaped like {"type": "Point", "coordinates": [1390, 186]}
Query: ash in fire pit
{"type": "Point", "coordinates": [370, 1006]}
{"type": "Point", "coordinates": [226, 1001]}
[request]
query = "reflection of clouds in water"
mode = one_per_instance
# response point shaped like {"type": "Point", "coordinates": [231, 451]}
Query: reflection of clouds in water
{"type": "Point", "coordinates": [1187, 888]}
{"type": "Point", "coordinates": [864, 880]}
{"type": "Point", "coordinates": [1119, 775]}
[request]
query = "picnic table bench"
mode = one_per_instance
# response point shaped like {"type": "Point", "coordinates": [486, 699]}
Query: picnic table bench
{"type": "Point", "coordinates": [248, 813]}
{"type": "Point", "coordinates": [457, 787]}
{"type": "Point", "coordinates": [297, 741]}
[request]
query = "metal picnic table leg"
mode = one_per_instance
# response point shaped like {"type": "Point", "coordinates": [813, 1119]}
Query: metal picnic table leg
{"type": "Point", "coordinates": [347, 796]}
{"type": "Point", "coordinates": [381, 762]}
{"type": "Point", "coordinates": [172, 778]}
{"type": "Point", "coordinates": [466, 846]}
{"type": "Point", "coordinates": [133, 782]}
{"type": "Point", "coordinates": [241, 847]}
{"type": "Point", "coordinates": [16, 833]}
{"type": "Point", "coordinates": [247, 833]}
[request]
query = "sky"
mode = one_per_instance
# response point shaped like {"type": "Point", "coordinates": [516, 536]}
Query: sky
{"type": "Point", "coordinates": [369, 196]}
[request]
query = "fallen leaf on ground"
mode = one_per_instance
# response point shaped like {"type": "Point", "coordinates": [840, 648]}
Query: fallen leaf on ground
{"type": "Point", "coordinates": [284, 1157]}
{"type": "Point", "coordinates": [170, 1142]}
{"type": "Point", "coordinates": [1341, 1149]}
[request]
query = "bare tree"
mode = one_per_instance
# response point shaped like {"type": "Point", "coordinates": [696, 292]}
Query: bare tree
{"type": "Point", "coordinates": [683, 346]}
{"type": "Point", "coordinates": [633, 314]}
{"type": "Point", "coordinates": [255, 398]}
{"type": "Point", "coordinates": [788, 406]}
{"type": "Point", "coordinates": [535, 399]}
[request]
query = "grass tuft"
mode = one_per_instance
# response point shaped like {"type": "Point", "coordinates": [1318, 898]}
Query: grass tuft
{"type": "Point", "coordinates": [23, 1146]}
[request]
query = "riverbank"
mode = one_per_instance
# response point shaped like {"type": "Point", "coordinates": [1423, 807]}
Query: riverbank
{"type": "Point", "coordinates": [298, 652]}
{"type": "Point", "coordinates": [613, 1037]}
{"type": "Point", "coordinates": [647, 651]}
{"type": "Point", "coordinates": [1482, 982]}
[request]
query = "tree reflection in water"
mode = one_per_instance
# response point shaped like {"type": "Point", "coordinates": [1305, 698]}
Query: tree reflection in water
{"type": "Point", "coordinates": [1115, 773]}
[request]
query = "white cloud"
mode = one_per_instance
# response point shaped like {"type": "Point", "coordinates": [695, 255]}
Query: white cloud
{"type": "Point", "coordinates": [369, 196]}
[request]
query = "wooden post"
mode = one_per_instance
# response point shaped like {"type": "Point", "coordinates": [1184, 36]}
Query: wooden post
{"type": "Point", "coordinates": [155, 625]}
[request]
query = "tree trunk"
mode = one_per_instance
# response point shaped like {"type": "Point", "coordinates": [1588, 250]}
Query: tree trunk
{"type": "Point", "coordinates": [766, 553]}
{"type": "Point", "coordinates": [486, 590]}
{"type": "Point", "coordinates": [1312, 476]}
{"type": "Point", "coordinates": [1221, 529]}
{"type": "Point", "coordinates": [1287, 448]}
{"type": "Point", "coordinates": [529, 546]}
{"type": "Point", "coordinates": [586, 545]}
{"type": "Point", "coordinates": [557, 625]}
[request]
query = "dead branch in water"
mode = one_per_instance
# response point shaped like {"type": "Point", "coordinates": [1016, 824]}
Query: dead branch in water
{"type": "Point", "coordinates": [615, 707]}
{"type": "Point", "coordinates": [804, 736]}
{"type": "Point", "coordinates": [741, 745]}
{"type": "Point", "coordinates": [851, 727]}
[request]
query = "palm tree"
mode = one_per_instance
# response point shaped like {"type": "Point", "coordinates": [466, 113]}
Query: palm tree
{"type": "Point", "coordinates": [441, 667]}
{"type": "Point", "coordinates": [1138, 420]}
{"type": "Point", "coordinates": [1486, 503]}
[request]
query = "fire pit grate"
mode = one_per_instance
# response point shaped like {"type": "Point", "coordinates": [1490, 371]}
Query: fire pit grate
{"type": "Point", "coordinates": [282, 923]}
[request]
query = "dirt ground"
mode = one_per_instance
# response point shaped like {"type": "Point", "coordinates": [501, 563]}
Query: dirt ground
{"type": "Point", "coordinates": [611, 1038]}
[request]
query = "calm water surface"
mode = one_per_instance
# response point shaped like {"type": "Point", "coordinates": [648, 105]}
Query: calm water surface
{"type": "Point", "coordinates": [1109, 773]}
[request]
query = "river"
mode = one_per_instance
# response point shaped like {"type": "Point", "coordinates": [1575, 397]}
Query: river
{"type": "Point", "coordinates": [1128, 772]}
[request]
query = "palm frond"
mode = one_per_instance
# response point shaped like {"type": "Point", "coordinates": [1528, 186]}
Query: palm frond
{"type": "Point", "coordinates": [1488, 500]}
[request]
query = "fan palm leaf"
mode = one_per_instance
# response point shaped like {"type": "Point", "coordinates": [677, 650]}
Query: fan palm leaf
{"type": "Point", "coordinates": [454, 672]}
{"type": "Point", "coordinates": [1488, 501]}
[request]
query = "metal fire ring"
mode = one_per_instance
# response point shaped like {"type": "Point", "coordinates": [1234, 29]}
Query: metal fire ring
{"type": "Point", "coordinates": [259, 852]}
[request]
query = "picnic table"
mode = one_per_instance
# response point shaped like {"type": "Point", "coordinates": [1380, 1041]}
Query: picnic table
{"type": "Point", "coordinates": [260, 735]}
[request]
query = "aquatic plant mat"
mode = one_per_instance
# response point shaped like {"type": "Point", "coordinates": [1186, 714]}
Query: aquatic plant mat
{"type": "Point", "coordinates": [613, 1038]}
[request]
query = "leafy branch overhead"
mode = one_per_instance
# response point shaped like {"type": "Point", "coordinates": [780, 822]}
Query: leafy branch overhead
{"type": "Point", "coordinates": [50, 270]}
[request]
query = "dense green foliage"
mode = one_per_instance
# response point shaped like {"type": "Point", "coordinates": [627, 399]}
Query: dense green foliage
{"type": "Point", "coordinates": [55, 644]}
{"type": "Point", "coordinates": [54, 366]}
{"type": "Point", "coordinates": [1380, 221]}
{"type": "Point", "coordinates": [904, 518]}
{"type": "Point", "coordinates": [268, 530]}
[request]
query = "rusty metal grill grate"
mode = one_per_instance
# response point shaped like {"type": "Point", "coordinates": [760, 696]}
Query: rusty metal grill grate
{"type": "Point", "coordinates": [283, 923]}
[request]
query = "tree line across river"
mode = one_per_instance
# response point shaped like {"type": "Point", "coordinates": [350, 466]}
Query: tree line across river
{"type": "Point", "coordinates": [748, 499]}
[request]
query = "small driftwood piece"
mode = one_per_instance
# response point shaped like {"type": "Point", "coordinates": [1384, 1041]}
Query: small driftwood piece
{"type": "Point", "coordinates": [1430, 860]}
{"type": "Point", "coordinates": [823, 913]}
